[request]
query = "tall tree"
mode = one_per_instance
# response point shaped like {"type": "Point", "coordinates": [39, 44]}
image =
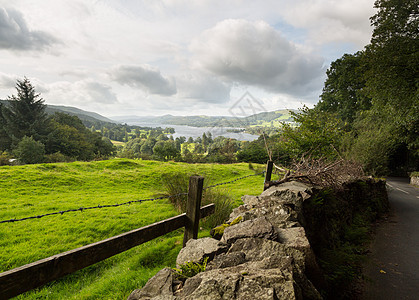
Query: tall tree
{"type": "Point", "coordinates": [393, 53]}
{"type": "Point", "coordinates": [5, 141]}
{"type": "Point", "coordinates": [25, 114]}
{"type": "Point", "coordinates": [344, 88]}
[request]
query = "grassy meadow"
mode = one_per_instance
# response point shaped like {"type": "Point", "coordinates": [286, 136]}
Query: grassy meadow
{"type": "Point", "coordinates": [38, 189]}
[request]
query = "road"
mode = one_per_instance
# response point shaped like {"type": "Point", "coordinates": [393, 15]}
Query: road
{"type": "Point", "coordinates": [393, 268]}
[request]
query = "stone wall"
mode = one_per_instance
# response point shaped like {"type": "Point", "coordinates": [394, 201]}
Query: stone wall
{"type": "Point", "coordinates": [267, 255]}
{"type": "Point", "coordinates": [414, 180]}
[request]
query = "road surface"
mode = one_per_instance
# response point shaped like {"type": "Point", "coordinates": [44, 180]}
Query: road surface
{"type": "Point", "coordinates": [393, 268]}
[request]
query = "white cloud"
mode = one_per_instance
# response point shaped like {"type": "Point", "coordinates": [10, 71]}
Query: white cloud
{"type": "Point", "coordinates": [144, 77]}
{"type": "Point", "coordinates": [176, 55]}
{"type": "Point", "coordinates": [202, 87]}
{"type": "Point", "coordinates": [7, 81]}
{"type": "Point", "coordinates": [15, 34]}
{"type": "Point", "coordinates": [332, 21]}
{"type": "Point", "coordinates": [254, 53]}
{"type": "Point", "coordinates": [80, 93]}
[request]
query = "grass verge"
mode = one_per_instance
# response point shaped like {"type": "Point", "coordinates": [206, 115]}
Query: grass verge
{"type": "Point", "coordinates": [38, 189]}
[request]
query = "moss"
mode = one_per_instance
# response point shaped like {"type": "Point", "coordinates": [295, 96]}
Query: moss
{"type": "Point", "coordinates": [218, 231]}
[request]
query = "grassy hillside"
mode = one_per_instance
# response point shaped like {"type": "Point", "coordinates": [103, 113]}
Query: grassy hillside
{"type": "Point", "coordinates": [37, 189]}
{"type": "Point", "coordinates": [215, 121]}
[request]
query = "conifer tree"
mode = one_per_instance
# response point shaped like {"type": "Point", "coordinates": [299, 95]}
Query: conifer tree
{"type": "Point", "coordinates": [25, 114]}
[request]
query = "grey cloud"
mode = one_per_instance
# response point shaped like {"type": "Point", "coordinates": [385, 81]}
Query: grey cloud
{"type": "Point", "coordinates": [256, 54]}
{"type": "Point", "coordinates": [145, 78]}
{"type": "Point", "coordinates": [98, 92]}
{"type": "Point", "coordinates": [202, 88]}
{"type": "Point", "coordinates": [7, 81]}
{"type": "Point", "coordinates": [15, 34]}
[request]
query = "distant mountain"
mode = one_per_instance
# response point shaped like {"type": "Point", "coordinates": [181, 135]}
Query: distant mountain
{"type": "Point", "coordinates": [92, 118]}
{"type": "Point", "coordinates": [211, 121]}
{"type": "Point", "coordinates": [82, 114]}
{"type": "Point", "coordinates": [85, 116]}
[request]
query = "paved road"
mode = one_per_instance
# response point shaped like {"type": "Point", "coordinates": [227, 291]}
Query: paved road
{"type": "Point", "coordinates": [393, 269]}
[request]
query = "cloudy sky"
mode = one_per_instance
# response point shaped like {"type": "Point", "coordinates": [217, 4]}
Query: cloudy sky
{"type": "Point", "coordinates": [132, 57]}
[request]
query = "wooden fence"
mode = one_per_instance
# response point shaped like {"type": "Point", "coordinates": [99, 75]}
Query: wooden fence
{"type": "Point", "coordinates": [22, 279]}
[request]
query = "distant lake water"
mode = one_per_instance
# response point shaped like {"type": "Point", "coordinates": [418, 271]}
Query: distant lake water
{"type": "Point", "coordinates": [194, 132]}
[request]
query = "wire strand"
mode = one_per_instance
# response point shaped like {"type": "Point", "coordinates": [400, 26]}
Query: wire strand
{"type": "Point", "coordinates": [81, 209]}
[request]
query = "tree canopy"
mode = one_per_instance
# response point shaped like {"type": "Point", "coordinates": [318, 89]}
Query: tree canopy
{"type": "Point", "coordinates": [28, 132]}
{"type": "Point", "coordinates": [25, 115]}
{"type": "Point", "coordinates": [376, 91]}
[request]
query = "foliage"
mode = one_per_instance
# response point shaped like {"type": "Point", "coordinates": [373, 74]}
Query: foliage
{"type": "Point", "coordinates": [376, 92]}
{"type": "Point", "coordinates": [256, 151]}
{"type": "Point", "coordinates": [176, 186]}
{"type": "Point", "coordinates": [318, 134]}
{"type": "Point", "coordinates": [190, 269]}
{"type": "Point", "coordinates": [5, 158]}
{"type": "Point", "coordinates": [338, 227]}
{"type": "Point", "coordinates": [393, 54]}
{"type": "Point", "coordinates": [71, 138]}
{"type": "Point", "coordinates": [224, 205]}
{"type": "Point", "coordinates": [344, 89]}
{"type": "Point", "coordinates": [25, 115]}
{"type": "Point", "coordinates": [165, 150]}
{"type": "Point", "coordinates": [29, 151]}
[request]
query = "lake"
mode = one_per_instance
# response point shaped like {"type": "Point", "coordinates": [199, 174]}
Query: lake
{"type": "Point", "coordinates": [194, 132]}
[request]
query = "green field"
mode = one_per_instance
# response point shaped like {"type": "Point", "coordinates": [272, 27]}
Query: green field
{"type": "Point", "coordinates": [38, 189]}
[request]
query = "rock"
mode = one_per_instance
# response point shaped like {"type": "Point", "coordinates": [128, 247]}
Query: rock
{"type": "Point", "coordinates": [227, 260]}
{"type": "Point", "coordinates": [250, 201]}
{"type": "Point", "coordinates": [293, 186]}
{"type": "Point", "coordinates": [196, 250]}
{"type": "Point", "coordinates": [259, 227]}
{"type": "Point", "coordinates": [263, 253]}
{"type": "Point", "coordinates": [158, 287]}
{"type": "Point", "coordinates": [241, 283]}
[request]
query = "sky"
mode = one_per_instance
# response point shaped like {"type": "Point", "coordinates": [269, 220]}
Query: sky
{"type": "Point", "coordinates": [156, 57]}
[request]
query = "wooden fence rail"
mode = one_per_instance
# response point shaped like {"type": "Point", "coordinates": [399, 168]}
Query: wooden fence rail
{"type": "Point", "coordinates": [22, 279]}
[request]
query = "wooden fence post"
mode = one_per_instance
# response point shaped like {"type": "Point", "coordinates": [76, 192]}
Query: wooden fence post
{"type": "Point", "coordinates": [269, 167]}
{"type": "Point", "coordinates": [196, 184]}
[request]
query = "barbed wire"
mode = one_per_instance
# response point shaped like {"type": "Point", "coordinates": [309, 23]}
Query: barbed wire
{"type": "Point", "coordinates": [81, 209]}
{"type": "Point", "coordinates": [234, 180]}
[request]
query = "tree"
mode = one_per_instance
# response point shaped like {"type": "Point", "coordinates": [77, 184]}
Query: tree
{"type": "Point", "coordinates": [344, 89]}
{"type": "Point", "coordinates": [318, 134]}
{"type": "Point", "coordinates": [392, 79]}
{"type": "Point", "coordinates": [29, 151]}
{"type": "Point", "coordinates": [165, 150]}
{"type": "Point", "coordinates": [25, 115]}
{"type": "Point", "coordinates": [70, 137]}
{"type": "Point", "coordinates": [5, 140]}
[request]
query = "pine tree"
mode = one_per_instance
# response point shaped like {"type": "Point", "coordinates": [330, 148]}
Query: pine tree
{"type": "Point", "coordinates": [25, 114]}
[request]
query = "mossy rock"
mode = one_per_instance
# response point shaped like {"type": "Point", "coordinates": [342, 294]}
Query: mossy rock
{"type": "Point", "coordinates": [218, 231]}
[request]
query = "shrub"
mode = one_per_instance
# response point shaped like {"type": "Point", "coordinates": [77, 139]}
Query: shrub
{"type": "Point", "coordinates": [29, 151]}
{"type": "Point", "coordinates": [4, 159]}
{"type": "Point", "coordinates": [57, 157]}
{"type": "Point", "coordinates": [190, 269]}
{"type": "Point", "coordinates": [176, 187]}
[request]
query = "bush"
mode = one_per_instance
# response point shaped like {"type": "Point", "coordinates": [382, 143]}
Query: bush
{"type": "Point", "coordinates": [176, 187]}
{"type": "Point", "coordinates": [57, 157]}
{"type": "Point", "coordinates": [29, 151]}
{"type": "Point", "coordinates": [223, 206]}
{"type": "Point", "coordinates": [5, 159]}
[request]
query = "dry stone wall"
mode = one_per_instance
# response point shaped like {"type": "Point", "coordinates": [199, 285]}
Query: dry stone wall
{"type": "Point", "coordinates": [267, 255]}
{"type": "Point", "coordinates": [414, 180]}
